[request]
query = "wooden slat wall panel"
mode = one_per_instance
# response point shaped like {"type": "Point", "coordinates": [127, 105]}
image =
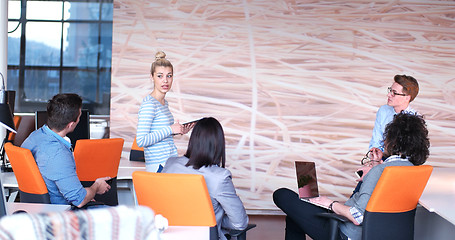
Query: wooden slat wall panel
{"type": "Point", "coordinates": [289, 80]}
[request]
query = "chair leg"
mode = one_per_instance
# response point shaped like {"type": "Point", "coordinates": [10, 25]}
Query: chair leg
{"type": "Point", "coordinates": [333, 225]}
{"type": "Point", "coordinates": [214, 233]}
{"type": "Point", "coordinates": [242, 236]}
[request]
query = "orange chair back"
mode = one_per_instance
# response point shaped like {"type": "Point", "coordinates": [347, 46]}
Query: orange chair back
{"type": "Point", "coordinates": [97, 158]}
{"type": "Point", "coordinates": [399, 189]}
{"type": "Point", "coordinates": [25, 169]}
{"type": "Point", "coordinates": [136, 147]}
{"type": "Point", "coordinates": [181, 198]}
{"type": "Point", "coordinates": [17, 122]}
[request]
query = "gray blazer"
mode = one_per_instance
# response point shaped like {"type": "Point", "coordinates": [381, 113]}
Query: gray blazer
{"type": "Point", "coordinates": [228, 207]}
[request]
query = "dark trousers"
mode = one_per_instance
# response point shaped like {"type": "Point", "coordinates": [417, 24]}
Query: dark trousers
{"type": "Point", "coordinates": [301, 216]}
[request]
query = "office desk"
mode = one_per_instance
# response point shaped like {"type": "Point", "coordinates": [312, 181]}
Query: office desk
{"type": "Point", "coordinates": [435, 219]}
{"type": "Point", "coordinates": [439, 194]}
{"type": "Point", "coordinates": [126, 163]}
{"type": "Point", "coordinates": [125, 187]}
{"type": "Point", "coordinates": [186, 232]}
{"type": "Point", "coordinates": [9, 183]}
{"type": "Point", "coordinates": [12, 207]}
{"type": "Point", "coordinates": [126, 168]}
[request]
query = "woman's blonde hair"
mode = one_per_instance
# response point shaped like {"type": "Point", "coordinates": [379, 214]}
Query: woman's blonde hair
{"type": "Point", "coordinates": [160, 61]}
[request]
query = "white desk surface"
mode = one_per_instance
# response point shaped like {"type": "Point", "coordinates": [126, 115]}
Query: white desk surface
{"type": "Point", "coordinates": [11, 207]}
{"type": "Point", "coordinates": [9, 180]}
{"type": "Point", "coordinates": [439, 194]}
{"type": "Point", "coordinates": [127, 167]}
{"type": "Point", "coordinates": [126, 163]}
{"type": "Point", "coordinates": [186, 232]}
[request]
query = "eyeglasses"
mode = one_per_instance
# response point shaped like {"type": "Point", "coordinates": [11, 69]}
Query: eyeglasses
{"type": "Point", "coordinates": [367, 161]}
{"type": "Point", "coordinates": [394, 93]}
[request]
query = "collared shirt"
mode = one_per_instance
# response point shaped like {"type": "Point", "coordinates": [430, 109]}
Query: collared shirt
{"type": "Point", "coordinates": [384, 116]}
{"type": "Point", "coordinates": [55, 161]}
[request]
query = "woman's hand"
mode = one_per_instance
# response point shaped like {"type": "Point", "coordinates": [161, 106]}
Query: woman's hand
{"type": "Point", "coordinates": [177, 128]}
{"type": "Point", "coordinates": [323, 200]}
{"type": "Point", "coordinates": [187, 127]}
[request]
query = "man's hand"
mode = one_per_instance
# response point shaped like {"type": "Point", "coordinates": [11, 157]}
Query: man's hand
{"type": "Point", "coordinates": [376, 154]}
{"type": "Point", "coordinates": [102, 186]}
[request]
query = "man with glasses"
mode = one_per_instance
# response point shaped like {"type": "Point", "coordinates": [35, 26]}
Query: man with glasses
{"type": "Point", "coordinates": [402, 92]}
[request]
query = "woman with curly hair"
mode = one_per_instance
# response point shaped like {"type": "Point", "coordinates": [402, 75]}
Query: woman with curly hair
{"type": "Point", "coordinates": [406, 144]}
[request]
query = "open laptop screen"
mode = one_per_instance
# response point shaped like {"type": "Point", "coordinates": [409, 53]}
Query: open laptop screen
{"type": "Point", "coordinates": [307, 181]}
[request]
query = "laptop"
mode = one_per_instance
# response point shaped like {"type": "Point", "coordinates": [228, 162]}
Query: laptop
{"type": "Point", "coordinates": [307, 181]}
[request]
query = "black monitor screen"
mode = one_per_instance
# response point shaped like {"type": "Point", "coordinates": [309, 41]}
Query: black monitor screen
{"type": "Point", "coordinates": [82, 130]}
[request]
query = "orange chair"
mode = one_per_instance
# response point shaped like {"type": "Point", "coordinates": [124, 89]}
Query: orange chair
{"type": "Point", "coordinates": [392, 206]}
{"type": "Point", "coordinates": [97, 158]}
{"type": "Point", "coordinates": [17, 122]}
{"type": "Point", "coordinates": [32, 188]}
{"type": "Point", "coordinates": [181, 198]}
{"type": "Point", "coordinates": [137, 153]}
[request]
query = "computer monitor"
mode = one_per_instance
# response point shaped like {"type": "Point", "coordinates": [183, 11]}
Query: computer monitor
{"type": "Point", "coordinates": [82, 130]}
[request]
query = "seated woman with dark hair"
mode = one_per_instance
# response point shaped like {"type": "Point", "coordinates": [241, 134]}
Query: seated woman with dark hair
{"type": "Point", "coordinates": [206, 156]}
{"type": "Point", "coordinates": [406, 144]}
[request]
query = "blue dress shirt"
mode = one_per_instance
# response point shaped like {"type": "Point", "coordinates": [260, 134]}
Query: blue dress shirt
{"type": "Point", "coordinates": [55, 161]}
{"type": "Point", "coordinates": [384, 116]}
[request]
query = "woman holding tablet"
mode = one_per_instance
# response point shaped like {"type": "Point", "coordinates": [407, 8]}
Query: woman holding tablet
{"type": "Point", "coordinates": [156, 125]}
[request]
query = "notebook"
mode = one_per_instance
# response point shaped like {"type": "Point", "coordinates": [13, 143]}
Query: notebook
{"type": "Point", "coordinates": [307, 181]}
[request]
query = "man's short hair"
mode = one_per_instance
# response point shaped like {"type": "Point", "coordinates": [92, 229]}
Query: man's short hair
{"type": "Point", "coordinates": [409, 84]}
{"type": "Point", "coordinates": [62, 109]}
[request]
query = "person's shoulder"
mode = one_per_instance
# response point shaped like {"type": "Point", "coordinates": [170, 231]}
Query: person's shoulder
{"type": "Point", "coordinates": [217, 171]}
{"type": "Point", "coordinates": [176, 165]}
{"type": "Point", "coordinates": [177, 160]}
{"type": "Point", "coordinates": [149, 104]}
{"type": "Point", "coordinates": [386, 108]}
{"type": "Point", "coordinates": [37, 137]}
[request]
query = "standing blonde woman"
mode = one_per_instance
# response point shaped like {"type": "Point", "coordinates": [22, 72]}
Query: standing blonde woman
{"type": "Point", "coordinates": [156, 125]}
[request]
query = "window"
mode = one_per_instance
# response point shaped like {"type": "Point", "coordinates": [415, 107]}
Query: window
{"type": "Point", "coordinates": [58, 47]}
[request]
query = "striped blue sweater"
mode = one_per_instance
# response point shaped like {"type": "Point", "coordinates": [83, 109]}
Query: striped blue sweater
{"type": "Point", "coordinates": [154, 131]}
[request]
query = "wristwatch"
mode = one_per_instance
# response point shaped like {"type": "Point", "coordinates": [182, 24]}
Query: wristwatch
{"type": "Point", "coordinates": [331, 205]}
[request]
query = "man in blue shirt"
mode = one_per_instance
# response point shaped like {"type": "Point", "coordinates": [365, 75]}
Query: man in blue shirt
{"type": "Point", "coordinates": [402, 92]}
{"type": "Point", "coordinates": [51, 149]}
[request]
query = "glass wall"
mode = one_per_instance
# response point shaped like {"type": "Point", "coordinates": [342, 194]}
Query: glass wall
{"type": "Point", "coordinates": [57, 47]}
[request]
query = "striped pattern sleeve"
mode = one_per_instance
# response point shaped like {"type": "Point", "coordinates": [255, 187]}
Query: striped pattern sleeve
{"type": "Point", "coordinates": [153, 124]}
{"type": "Point", "coordinates": [358, 216]}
